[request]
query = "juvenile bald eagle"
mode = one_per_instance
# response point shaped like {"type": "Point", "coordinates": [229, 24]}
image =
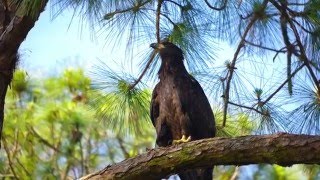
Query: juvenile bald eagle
{"type": "Point", "coordinates": [180, 111]}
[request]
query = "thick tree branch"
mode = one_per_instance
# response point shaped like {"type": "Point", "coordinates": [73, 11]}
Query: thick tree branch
{"type": "Point", "coordinates": [12, 35]}
{"type": "Point", "coordinates": [282, 149]}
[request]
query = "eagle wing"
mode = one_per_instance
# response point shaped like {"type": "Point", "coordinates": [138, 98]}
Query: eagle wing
{"type": "Point", "coordinates": [154, 107]}
{"type": "Point", "coordinates": [164, 135]}
{"type": "Point", "coordinates": [196, 105]}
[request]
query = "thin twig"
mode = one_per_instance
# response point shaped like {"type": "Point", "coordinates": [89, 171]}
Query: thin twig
{"type": "Point", "coordinates": [82, 158]}
{"type": "Point", "coordinates": [123, 149]}
{"type": "Point", "coordinates": [303, 55]}
{"type": "Point", "coordinates": [235, 173]}
{"type": "Point", "coordinates": [224, 5]}
{"type": "Point", "coordinates": [303, 28]}
{"type": "Point", "coordinates": [9, 158]}
{"type": "Point", "coordinates": [167, 17]}
{"type": "Point", "coordinates": [44, 141]}
{"type": "Point", "coordinates": [175, 3]}
{"type": "Point", "coordinates": [247, 107]}
{"type": "Point", "coordinates": [164, 15]}
{"type": "Point", "coordinates": [281, 86]}
{"type": "Point", "coordinates": [139, 5]}
{"type": "Point", "coordinates": [295, 13]}
{"type": "Point", "coordinates": [24, 168]}
{"type": "Point", "coordinates": [277, 53]}
{"type": "Point", "coordinates": [266, 48]}
{"type": "Point", "coordinates": [144, 70]}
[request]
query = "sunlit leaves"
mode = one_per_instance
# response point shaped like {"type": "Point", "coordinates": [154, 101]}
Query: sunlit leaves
{"type": "Point", "coordinates": [75, 80]}
{"type": "Point", "coordinates": [238, 125]}
{"type": "Point", "coordinates": [56, 134]}
{"type": "Point", "coordinates": [311, 171]}
{"type": "Point", "coordinates": [20, 82]}
{"type": "Point", "coordinates": [274, 172]}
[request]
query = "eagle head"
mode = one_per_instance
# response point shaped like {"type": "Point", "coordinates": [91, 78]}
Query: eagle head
{"type": "Point", "coordinates": [168, 49]}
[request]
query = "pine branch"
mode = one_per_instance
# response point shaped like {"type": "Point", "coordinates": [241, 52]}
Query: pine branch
{"type": "Point", "coordinates": [11, 164]}
{"type": "Point", "coordinates": [302, 56]}
{"type": "Point", "coordinates": [281, 86]}
{"type": "Point", "coordinates": [283, 149]}
{"type": "Point", "coordinates": [231, 70]}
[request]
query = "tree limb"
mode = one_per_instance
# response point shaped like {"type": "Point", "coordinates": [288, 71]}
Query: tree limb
{"type": "Point", "coordinates": [11, 37]}
{"type": "Point", "coordinates": [283, 149]}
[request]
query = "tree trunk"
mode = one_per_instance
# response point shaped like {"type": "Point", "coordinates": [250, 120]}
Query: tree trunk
{"type": "Point", "coordinates": [282, 149]}
{"type": "Point", "coordinates": [14, 27]}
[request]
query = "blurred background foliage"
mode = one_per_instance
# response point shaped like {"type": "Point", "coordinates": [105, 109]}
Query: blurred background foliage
{"type": "Point", "coordinates": [53, 132]}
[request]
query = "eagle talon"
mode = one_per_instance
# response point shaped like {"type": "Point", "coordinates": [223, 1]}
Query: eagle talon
{"type": "Point", "coordinates": [182, 140]}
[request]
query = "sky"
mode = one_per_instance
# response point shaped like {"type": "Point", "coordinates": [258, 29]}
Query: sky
{"type": "Point", "coordinates": [56, 43]}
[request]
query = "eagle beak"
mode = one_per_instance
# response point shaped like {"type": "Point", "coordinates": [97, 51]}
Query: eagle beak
{"type": "Point", "coordinates": [157, 46]}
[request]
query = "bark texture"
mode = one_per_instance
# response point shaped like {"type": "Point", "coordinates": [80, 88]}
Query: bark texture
{"type": "Point", "coordinates": [282, 149]}
{"type": "Point", "coordinates": [15, 24]}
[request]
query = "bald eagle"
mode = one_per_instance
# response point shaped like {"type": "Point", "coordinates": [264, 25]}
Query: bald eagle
{"type": "Point", "coordinates": [180, 111]}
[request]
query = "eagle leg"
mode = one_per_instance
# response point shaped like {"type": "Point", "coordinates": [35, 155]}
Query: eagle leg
{"type": "Point", "coordinates": [182, 140]}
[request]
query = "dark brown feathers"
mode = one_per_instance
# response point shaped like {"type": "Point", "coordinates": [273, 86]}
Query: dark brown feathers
{"type": "Point", "coordinates": [179, 105]}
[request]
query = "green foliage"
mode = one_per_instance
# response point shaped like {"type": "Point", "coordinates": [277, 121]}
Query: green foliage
{"type": "Point", "coordinates": [275, 172]}
{"type": "Point", "coordinates": [52, 133]}
{"type": "Point", "coordinates": [75, 80]}
{"type": "Point", "coordinates": [238, 125]}
{"type": "Point", "coordinates": [123, 108]}
{"type": "Point", "coordinates": [19, 82]}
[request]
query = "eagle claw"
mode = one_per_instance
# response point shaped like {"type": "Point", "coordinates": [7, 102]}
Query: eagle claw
{"type": "Point", "coordinates": [182, 140]}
